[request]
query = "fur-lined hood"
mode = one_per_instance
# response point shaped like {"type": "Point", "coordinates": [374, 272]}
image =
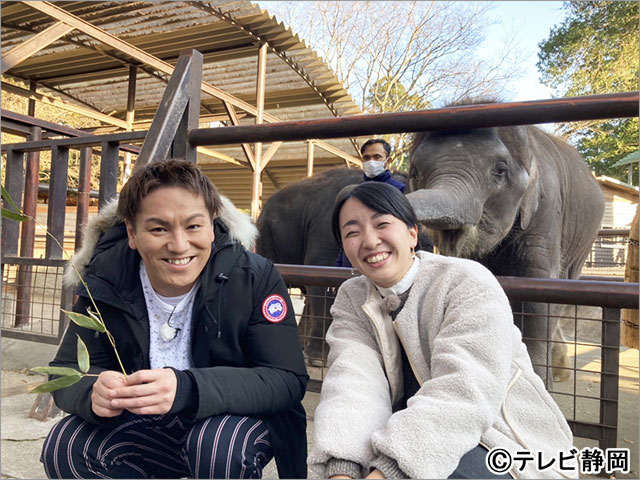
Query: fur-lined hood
{"type": "Point", "coordinates": [241, 229]}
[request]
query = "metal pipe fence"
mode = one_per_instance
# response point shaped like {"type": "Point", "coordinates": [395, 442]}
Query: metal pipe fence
{"type": "Point", "coordinates": [589, 310]}
{"type": "Point", "coordinates": [589, 315]}
{"type": "Point", "coordinates": [608, 254]}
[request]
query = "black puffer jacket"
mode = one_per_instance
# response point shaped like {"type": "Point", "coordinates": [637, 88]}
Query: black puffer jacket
{"type": "Point", "coordinates": [243, 364]}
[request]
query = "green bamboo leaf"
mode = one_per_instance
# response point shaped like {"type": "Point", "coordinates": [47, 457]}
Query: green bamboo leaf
{"type": "Point", "coordinates": [57, 384]}
{"type": "Point", "coordinates": [85, 321]}
{"type": "Point", "coordinates": [83, 356]}
{"type": "Point", "coordinates": [93, 315]}
{"type": "Point", "coordinates": [7, 198]}
{"type": "Point", "coordinates": [63, 371]}
{"type": "Point", "coordinates": [18, 217]}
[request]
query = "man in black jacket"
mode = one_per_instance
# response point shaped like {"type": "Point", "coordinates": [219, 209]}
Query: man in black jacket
{"type": "Point", "coordinates": [209, 375]}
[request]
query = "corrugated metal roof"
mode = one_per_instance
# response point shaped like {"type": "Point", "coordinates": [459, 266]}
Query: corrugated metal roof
{"type": "Point", "coordinates": [299, 84]}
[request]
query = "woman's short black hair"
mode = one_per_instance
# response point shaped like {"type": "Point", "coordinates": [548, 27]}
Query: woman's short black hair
{"type": "Point", "coordinates": [379, 197]}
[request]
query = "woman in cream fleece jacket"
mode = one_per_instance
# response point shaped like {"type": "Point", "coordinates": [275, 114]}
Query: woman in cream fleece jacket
{"type": "Point", "coordinates": [427, 371]}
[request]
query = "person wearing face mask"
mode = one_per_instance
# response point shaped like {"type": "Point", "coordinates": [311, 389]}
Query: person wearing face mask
{"type": "Point", "coordinates": [375, 162]}
{"type": "Point", "coordinates": [375, 166]}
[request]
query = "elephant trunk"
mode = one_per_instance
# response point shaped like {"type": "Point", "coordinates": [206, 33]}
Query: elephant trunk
{"type": "Point", "coordinates": [445, 209]}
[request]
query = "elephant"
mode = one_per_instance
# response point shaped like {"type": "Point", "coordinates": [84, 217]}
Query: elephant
{"type": "Point", "coordinates": [518, 200]}
{"type": "Point", "coordinates": [295, 228]}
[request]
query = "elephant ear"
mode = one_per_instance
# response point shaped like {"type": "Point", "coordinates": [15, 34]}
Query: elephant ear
{"type": "Point", "coordinates": [531, 197]}
{"type": "Point", "coordinates": [519, 143]}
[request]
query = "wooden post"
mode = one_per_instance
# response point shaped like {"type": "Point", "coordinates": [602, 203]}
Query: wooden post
{"type": "Point", "coordinates": [84, 194]}
{"type": "Point", "coordinates": [57, 202]}
{"type": "Point", "coordinates": [28, 233]}
{"type": "Point", "coordinates": [129, 118]}
{"type": "Point", "coordinates": [13, 183]}
{"type": "Point", "coordinates": [310, 148]}
{"type": "Point", "coordinates": [108, 172]}
{"type": "Point", "coordinates": [256, 188]}
{"type": "Point", "coordinates": [630, 317]}
{"type": "Point", "coordinates": [30, 196]}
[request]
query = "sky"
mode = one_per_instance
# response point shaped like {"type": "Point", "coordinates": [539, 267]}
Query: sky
{"type": "Point", "coordinates": [533, 22]}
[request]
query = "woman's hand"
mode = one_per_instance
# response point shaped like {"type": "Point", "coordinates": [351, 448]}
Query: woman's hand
{"type": "Point", "coordinates": [147, 392]}
{"type": "Point", "coordinates": [104, 390]}
{"type": "Point", "coordinates": [375, 473]}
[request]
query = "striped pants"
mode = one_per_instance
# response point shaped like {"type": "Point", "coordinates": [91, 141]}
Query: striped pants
{"type": "Point", "coordinates": [164, 446]}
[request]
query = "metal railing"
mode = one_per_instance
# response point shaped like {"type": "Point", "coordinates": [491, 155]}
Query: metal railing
{"type": "Point", "coordinates": [589, 313]}
{"type": "Point", "coordinates": [174, 132]}
{"type": "Point", "coordinates": [608, 254]}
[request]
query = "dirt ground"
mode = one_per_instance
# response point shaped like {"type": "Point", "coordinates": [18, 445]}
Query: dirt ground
{"type": "Point", "coordinates": [22, 436]}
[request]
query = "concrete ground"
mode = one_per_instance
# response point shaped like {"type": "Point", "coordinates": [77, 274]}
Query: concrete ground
{"type": "Point", "coordinates": [22, 437]}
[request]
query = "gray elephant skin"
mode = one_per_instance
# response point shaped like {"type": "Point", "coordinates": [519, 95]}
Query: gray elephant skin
{"type": "Point", "coordinates": [516, 199]}
{"type": "Point", "coordinates": [295, 228]}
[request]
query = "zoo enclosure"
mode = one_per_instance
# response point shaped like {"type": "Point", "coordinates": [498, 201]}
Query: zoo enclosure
{"type": "Point", "coordinates": [174, 132]}
{"type": "Point", "coordinates": [590, 415]}
{"type": "Point", "coordinates": [608, 253]}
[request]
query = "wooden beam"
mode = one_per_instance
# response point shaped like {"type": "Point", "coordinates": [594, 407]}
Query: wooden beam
{"type": "Point", "coordinates": [310, 146]}
{"type": "Point", "coordinates": [256, 188]}
{"type": "Point", "coordinates": [31, 107]}
{"type": "Point", "coordinates": [220, 156]}
{"type": "Point", "coordinates": [138, 54]}
{"type": "Point", "coordinates": [272, 178]}
{"type": "Point", "coordinates": [219, 117]}
{"type": "Point", "coordinates": [246, 148]}
{"type": "Point", "coordinates": [134, 52]}
{"type": "Point", "coordinates": [164, 134]}
{"type": "Point", "coordinates": [339, 153]}
{"type": "Point", "coordinates": [130, 116]}
{"type": "Point", "coordinates": [271, 151]}
{"type": "Point", "coordinates": [7, 87]}
{"type": "Point", "coordinates": [34, 45]}
{"type": "Point", "coordinates": [57, 202]}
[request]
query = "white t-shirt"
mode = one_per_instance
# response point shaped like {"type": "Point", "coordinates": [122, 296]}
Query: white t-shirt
{"type": "Point", "coordinates": [169, 325]}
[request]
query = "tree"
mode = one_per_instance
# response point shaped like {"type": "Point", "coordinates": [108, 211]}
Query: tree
{"type": "Point", "coordinates": [595, 51]}
{"type": "Point", "coordinates": [57, 115]}
{"type": "Point", "coordinates": [391, 96]}
{"type": "Point", "coordinates": [396, 56]}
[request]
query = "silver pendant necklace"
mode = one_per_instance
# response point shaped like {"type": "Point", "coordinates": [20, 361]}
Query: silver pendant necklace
{"type": "Point", "coordinates": [168, 332]}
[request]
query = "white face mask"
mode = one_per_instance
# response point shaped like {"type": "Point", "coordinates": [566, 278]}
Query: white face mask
{"type": "Point", "coordinates": [373, 168]}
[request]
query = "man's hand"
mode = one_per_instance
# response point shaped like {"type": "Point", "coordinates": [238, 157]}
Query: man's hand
{"type": "Point", "coordinates": [104, 391]}
{"type": "Point", "coordinates": [147, 392]}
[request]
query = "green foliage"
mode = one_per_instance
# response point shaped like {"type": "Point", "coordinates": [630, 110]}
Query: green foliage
{"type": "Point", "coordinates": [67, 377]}
{"type": "Point", "coordinates": [62, 371]}
{"type": "Point", "coordinates": [85, 321]}
{"type": "Point", "coordinates": [57, 384]}
{"type": "Point", "coordinates": [595, 51]}
{"type": "Point", "coordinates": [50, 113]}
{"type": "Point", "coordinates": [83, 356]}
{"type": "Point", "coordinates": [390, 95]}
{"type": "Point", "coordinates": [93, 321]}
{"type": "Point", "coordinates": [18, 216]}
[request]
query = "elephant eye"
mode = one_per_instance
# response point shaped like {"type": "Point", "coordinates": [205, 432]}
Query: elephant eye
{"type": "Point", "coordinates": [500, 171]}
{"type": "Point", "coordinates": [413, 175]}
